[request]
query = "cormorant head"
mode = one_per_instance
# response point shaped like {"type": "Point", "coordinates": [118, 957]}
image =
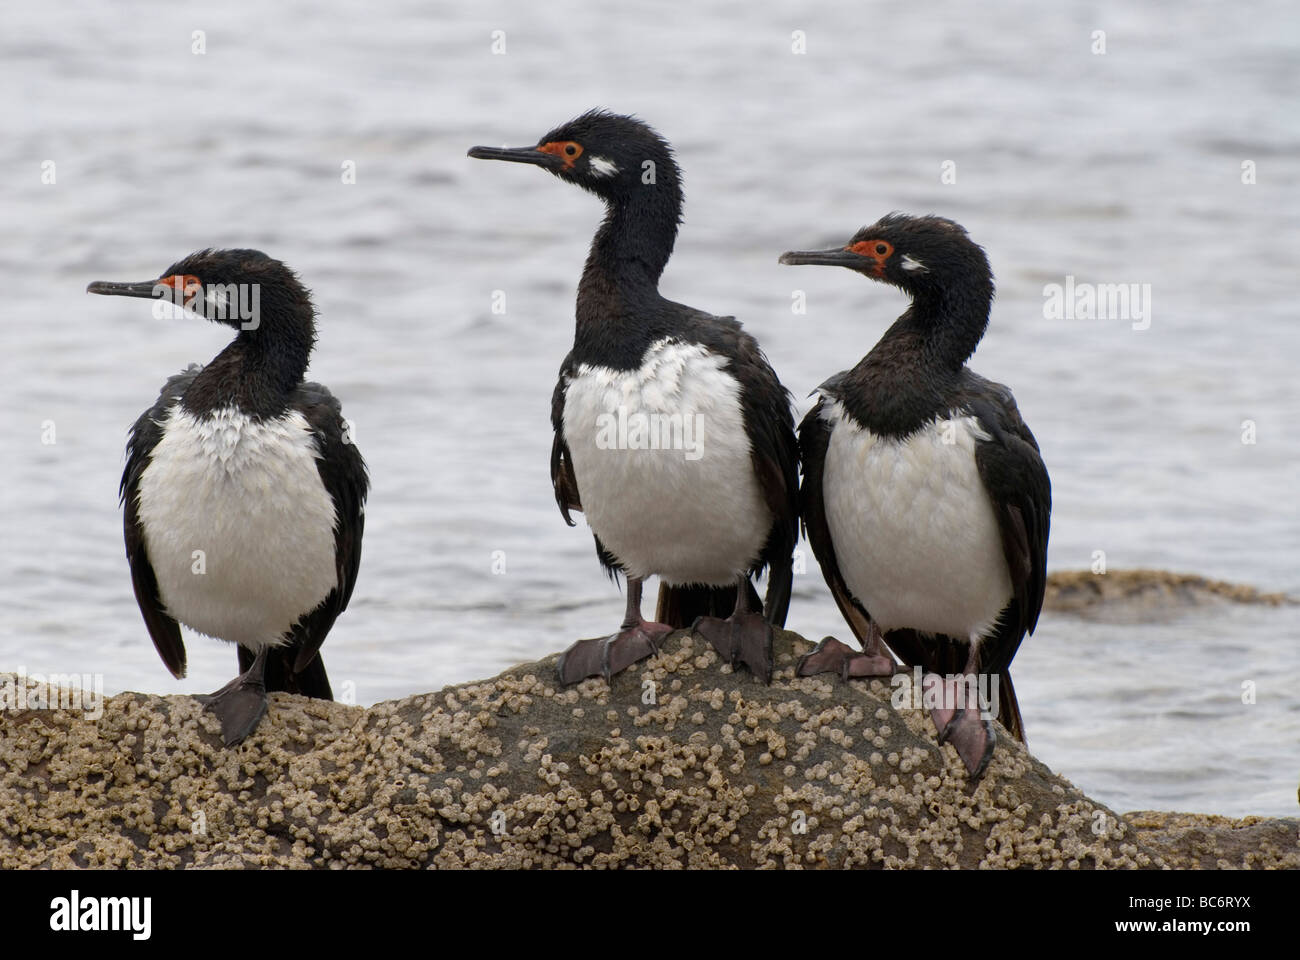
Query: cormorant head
{"type": "Point", "coordinates": [614, 156]}
{"type": "Point", "coordinates": [234, 287]}
{"type": "Point", "coordinates": [921, 255]}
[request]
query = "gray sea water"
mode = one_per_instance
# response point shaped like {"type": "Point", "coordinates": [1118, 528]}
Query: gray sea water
{"type": "Point", "coordinates": [1117, 167]}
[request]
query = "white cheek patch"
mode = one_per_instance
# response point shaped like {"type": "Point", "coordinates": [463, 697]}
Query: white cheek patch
{"type": "Point", "coordinates": [603, 167]}
{"type": "Point", "coordinates": [216, 297]}
{"type": "Point", "coordinates": [911, 263]}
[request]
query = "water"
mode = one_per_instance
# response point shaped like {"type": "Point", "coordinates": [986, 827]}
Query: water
{"type": "Point", "coordinates": [1123, 167]}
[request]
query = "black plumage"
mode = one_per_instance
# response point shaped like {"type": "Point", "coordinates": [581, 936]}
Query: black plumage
{"type": "Point", "coordinates": [914, 375]}
{"type": "Point", "coordinates": [259, 375]}
{"type": "Point", "coordinates": [620, 315]}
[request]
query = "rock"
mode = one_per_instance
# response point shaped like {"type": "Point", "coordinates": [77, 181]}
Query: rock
{"type": "Point", "coordinates": [718, 771]}
{"type": "Point", "coordinates": [1194, 841]}
{"type": "Point", "coordinates": [1145, 594]}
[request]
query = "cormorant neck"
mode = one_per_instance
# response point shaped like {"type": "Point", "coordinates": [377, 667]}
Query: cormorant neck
{"type": "Point", "coordinates": [259, 370]}
{"type": "Point", "coordinates": [636, 238]}
{"type": "Point", "coordinates": [628, 255]}
{"type": "Point", "coordinates": [951, 320]}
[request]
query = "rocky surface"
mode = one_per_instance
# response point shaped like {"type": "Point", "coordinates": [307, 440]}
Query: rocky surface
{"type": "Point", "coordinates": [1145, 594]}
{"type": "Point", "coordinates": [681, 763]}
{"type": "Point", "coordinates": [1204, 841]}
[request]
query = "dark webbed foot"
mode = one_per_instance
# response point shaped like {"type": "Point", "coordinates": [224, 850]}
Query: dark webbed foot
{"type": "Point", "coordinates": [606, 656]}
{"type": "Point", "coordinates": [832, 656]}
{"type": "Point", "coordinates": [959, 723]}
{"type": "Point", "coordinates": [741, 638]}
{"type": "Point", "coordinates": [240, 704]}
{"type": "Point", "coordinates": [973, 738]}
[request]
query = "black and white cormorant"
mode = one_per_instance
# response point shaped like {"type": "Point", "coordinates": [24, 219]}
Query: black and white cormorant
{"type": "Point", "coordinates": [924, 496]}
{"type": "Point", "coordinates": [243, 493]}
{"type": "Point", "coordinates": [703, 515]}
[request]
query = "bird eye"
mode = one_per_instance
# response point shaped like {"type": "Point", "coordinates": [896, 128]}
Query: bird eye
{"type": "Point", "coordinates": [186, 283]}
{"type": "Point", "coordinates": [568, 150]}
{"type": "Point", "coordinates": [878, 250]}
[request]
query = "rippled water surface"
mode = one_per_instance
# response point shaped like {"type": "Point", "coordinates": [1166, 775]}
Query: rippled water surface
{"type": "Point", "coordinates": [1117, 168]}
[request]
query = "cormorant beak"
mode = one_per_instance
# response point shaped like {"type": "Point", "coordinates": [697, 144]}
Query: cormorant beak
{"type": "Point", "coordinates": [518, 155]}
{"type": "Point", "coordinates": [835, 257]}
{"type": "Point", "coordinates": [145, 289]}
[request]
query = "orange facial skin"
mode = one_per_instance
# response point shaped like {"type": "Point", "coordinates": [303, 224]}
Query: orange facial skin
{"type": "Point", "coordinates": [568, 150]}
{"type": "Point", "coordinates": [877, 250]}
{"type": "Point", "coordinates": [187, 284]}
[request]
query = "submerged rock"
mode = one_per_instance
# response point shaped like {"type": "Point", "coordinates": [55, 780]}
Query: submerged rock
{"type": "Point", "coordinates": [681, 763]}
{"type": "Point", "coordinates": [1146, 595]}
